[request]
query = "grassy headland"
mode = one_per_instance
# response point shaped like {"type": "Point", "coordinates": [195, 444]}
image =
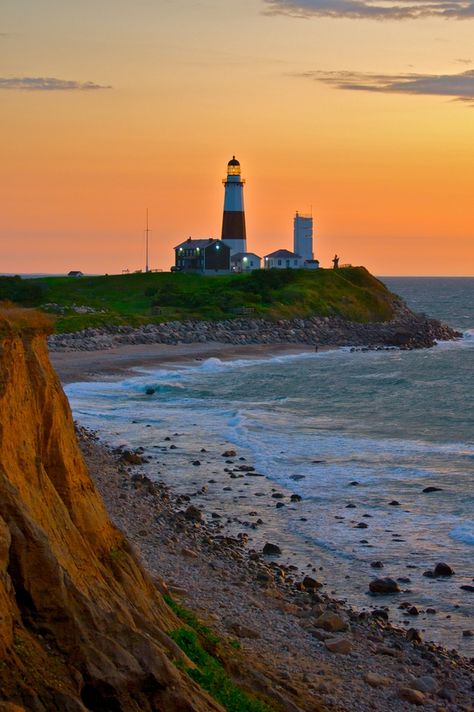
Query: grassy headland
{"type": "Point", "coordinates": [134, 299]}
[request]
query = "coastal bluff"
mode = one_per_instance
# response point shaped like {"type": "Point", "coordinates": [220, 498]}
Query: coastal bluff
{"type": "Point", "coordinates": [82, 626]}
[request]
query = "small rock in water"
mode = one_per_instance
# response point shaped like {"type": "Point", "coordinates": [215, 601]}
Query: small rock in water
{"type": "Point", "coordinates": [362, 525]}
{"type": "Point", "coordinates": [295, 498]}
{"type": "Point", "coordinates": [150, 391]}
{"type": "Point", "coordinates": [376, 565]}
{"type": "Point", "coordinates": [468, 633]}
{"type": "Point", "coordinates": [443, 570]}
{"type": "Point", "coordinates": [427, 490]}
{"type": "Point", "coordinates": [354, 483]}
{"type": "Point", "coordinates": [467, 587]}
{"type": "Point", "coordinates": [196, 463]}
{"type": "Point", "coordinates": [229, 453]}
{"type": "Point", "coordinates": [351, 505]}
{"type": "Point", "coordinates": [380, 613]}
{"type": "Point", "coordinates": [394, 503]}
{"type": "Point", "coordinates": [384, 585]}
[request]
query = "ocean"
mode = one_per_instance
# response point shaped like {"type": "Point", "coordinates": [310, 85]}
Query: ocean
{"type": "Point", "coordinates": [357, 435]}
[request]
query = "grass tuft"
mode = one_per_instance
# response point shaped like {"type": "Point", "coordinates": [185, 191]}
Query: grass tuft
{"type": "Point", "coordinates": [213, 678]}
{"type": "Point", "coordinates": [192, 621]}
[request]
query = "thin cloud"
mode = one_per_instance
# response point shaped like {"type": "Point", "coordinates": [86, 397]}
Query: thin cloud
{"type": "Point", "coordinates": [48, 84]}
{"type": "Point", "coordinates": [459, 87]}
{"type": "Point", "coordinates": [373, 9]}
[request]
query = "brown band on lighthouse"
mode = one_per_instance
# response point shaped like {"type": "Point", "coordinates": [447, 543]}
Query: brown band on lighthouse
{"type": "Point", "coordinates": [233, 225]}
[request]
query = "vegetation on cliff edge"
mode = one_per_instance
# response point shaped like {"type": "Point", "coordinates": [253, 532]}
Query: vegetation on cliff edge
{"type": "Point", "coordinates": [134, 299]}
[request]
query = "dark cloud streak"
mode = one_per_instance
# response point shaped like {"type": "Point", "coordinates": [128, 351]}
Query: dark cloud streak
{"type": "Point", "coordinates": [459, 87]}
{"type": "Point", "coordinates": [47, 84]}
{"type": "Point", "coordinates": [372, 9]}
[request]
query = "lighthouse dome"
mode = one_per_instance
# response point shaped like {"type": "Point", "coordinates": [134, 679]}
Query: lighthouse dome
{"type": "Point", "coordinates": [233, 167]}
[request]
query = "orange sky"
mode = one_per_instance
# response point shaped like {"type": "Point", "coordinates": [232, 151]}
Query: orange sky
{"type": "Point", "coordinates": [388, 170]}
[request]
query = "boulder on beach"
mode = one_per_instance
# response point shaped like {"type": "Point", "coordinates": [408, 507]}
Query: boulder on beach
{"type": "Point", "coordinates": [331, 622]}
{"type": "Point", "coordinates": [271, 549]}
{"type": "Point", "coordinates": [384, 585]}
{"type": "Point", "coordinates": [131, 458]}
{"type": "Point", "coordinates": [193, 514]}
{"type": "Point", "coordinates": [310, 582]}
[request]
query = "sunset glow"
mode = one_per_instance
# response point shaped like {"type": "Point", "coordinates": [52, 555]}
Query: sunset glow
{"type": "Point", "coordinates": [112, 107]}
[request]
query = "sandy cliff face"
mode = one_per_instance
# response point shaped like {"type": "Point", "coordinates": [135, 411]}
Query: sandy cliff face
{"type": "Point", "coordinates": [81, 625]}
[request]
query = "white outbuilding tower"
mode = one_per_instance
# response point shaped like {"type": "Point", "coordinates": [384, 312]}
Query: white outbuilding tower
{"type": "Point", "coordinates": [233, 222]}
{"type": "Point", "coordinates": [303, 236]}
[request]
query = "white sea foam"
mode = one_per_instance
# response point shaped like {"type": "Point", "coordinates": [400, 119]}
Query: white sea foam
{"type": "Point", "coordinates": [464, 532]}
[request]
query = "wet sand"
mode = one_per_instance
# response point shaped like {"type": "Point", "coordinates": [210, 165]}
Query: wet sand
{"type": "Point", "coordinates": [73, 366]}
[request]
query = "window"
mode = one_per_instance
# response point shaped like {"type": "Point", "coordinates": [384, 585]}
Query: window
{"type": "Point", "coordinates": [279, 262]}
{"type": "Point", "coordinates": [295, 262]}
{"type": "Point", "coordinates": [251, 263]}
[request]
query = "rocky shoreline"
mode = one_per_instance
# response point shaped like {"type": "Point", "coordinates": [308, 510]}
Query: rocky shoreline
{"type": "Point", "coordinates": [315, 649]}
{"type": "Point", "coordinates": [406, 330]}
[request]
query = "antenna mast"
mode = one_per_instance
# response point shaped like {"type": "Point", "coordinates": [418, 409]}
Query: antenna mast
{"type": "Point", "coordinates": [147, 233]}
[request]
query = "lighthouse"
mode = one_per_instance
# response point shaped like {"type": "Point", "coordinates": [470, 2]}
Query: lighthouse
{"type": "Point", "coordinates": [233, 223]}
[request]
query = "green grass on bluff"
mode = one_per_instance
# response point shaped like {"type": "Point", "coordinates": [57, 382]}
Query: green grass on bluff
{"type": "Point", "coordinates": [134, 299]}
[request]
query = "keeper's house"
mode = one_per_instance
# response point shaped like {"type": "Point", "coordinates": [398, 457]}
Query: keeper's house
{"type": "Point", "coordinates": [245, 262]}
{"type": "Point", "coordinates": [283, 259]}
{"type": "Point", "coordinates": [203, 256]}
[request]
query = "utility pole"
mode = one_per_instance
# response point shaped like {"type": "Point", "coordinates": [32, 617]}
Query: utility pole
{"type": "Point", "coordinates": [147, 234]}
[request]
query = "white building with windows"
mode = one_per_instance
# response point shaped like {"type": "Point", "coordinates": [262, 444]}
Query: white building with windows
{"type": "Point", "coordinates": [245, 262]}
{"type": "Point", "coordinates": [283, 259]}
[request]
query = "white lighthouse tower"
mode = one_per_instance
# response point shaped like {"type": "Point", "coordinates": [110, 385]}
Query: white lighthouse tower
{"type": "Point", "coordinates": [233, 223]}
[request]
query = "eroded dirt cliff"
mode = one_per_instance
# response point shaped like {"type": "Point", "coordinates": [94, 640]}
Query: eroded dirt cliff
{"type": "Point", "coordinates": [82, 626]}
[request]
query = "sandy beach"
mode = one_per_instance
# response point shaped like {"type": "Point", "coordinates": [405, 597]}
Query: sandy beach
{"type": "Point", "coordinates": [113, 363]}
{"type": "Point", "coordinates": [318, 651]}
